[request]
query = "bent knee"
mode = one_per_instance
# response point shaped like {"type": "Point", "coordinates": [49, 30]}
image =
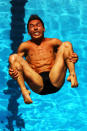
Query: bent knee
{"type": "Point", "coordinates": [67, 44]}
{"type": "Point", "coordinates": [12, 58]}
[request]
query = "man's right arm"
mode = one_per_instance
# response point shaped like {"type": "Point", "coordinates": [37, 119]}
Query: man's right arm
{"type": "Point", "coordinates": [22, 49]}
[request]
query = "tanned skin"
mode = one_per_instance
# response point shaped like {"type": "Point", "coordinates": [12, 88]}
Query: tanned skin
{"type": "Point", "coordinates": [41, 57]}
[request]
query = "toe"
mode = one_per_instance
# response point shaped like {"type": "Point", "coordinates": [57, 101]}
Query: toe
{"type": "Point", "coordinates": [28, 102]}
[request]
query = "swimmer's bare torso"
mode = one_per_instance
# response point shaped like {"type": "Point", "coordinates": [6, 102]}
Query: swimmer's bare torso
{"type": "Point", "coordinates": [40, 57]}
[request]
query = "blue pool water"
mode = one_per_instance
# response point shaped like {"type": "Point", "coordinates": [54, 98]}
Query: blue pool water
{"type": "Point", "coordinates": [65, 110]}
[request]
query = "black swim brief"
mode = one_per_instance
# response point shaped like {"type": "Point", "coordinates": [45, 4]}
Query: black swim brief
{"type": "Point", "coordinates": [48, 87]}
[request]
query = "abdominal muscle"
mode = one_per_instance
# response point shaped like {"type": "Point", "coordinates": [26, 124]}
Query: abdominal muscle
{"type": "Point", "coordinates": [42, 65]}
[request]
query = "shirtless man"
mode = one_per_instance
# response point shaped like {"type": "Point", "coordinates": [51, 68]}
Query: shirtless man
{"type": "Point", "coordinates": [43, 69]}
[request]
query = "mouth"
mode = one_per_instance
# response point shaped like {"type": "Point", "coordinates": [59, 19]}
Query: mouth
{"type": "Point", "coordinates": [36, 33]}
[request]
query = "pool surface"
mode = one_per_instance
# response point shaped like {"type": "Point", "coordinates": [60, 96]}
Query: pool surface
{"type": "Point", "coordinates": [65, 110]}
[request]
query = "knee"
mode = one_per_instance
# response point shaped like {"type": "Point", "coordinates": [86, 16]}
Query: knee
{"type": "Point", "coordinates": [67, 44]}
{"type": "Point", "coordinates": [13, 61]}
{"type": "Point", "coordinates": [12, 58]}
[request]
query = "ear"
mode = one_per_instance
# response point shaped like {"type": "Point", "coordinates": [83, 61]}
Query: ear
{"type": "Point", "coordinates": [28, 32]}
{"type": "Point", "coordinates": [44, 29]}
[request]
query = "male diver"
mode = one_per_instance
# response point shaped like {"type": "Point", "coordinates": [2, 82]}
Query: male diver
{"type": "Point", "coordinates": [43, 68]}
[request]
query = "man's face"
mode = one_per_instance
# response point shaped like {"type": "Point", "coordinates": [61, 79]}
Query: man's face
{"type": "Point", "coordinates": [36, 29]}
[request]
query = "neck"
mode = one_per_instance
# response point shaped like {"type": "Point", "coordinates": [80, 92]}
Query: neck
{"type": "Point", "coordinates": [38, 41]}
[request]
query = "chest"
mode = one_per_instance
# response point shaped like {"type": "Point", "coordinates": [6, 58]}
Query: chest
{"type": "Point", "coordinates": [40, 51]}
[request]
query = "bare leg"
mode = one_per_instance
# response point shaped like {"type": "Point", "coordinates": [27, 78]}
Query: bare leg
{"type": "Point", "coordinates": [25, 71]}
{"type": "Point", "coordinates": [72, 77]}
{"type": "Point", "coordinates": [58, 72]}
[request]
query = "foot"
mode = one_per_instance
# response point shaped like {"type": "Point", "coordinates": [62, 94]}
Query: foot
{"type": "Point", "coordinates": [26, 94]}
{"type": "Point", "coordinates": [72, 78]}
{"type": "Point", "coordinates": [69, 78]}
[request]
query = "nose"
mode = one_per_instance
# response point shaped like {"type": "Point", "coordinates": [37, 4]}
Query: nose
{"type": "Point", "coordinates": [35, 27]}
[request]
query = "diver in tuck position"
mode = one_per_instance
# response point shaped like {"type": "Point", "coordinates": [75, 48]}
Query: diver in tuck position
{"type": "Point", "coordinates": [43, 69]}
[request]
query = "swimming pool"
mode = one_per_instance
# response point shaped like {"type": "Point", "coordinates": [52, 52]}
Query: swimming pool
{"type": "Point", "coordinates": [65, 110]}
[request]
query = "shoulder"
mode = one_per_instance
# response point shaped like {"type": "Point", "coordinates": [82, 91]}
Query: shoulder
{"type": "Point", "coordinates": [24, 44]}
{"type": "Point", "coordinates": [54, 41]}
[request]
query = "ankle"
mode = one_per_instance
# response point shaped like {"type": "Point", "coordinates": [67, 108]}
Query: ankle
{"type": "Point", "coordinates": [72, 73]}
{"type": "Point", "coordinates": [23, 89]}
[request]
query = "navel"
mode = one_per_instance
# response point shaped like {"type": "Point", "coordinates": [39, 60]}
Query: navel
{"type": "Point", "coordinates": [50, 51]}
{"type": "Point", "coordinates": [31, 54]}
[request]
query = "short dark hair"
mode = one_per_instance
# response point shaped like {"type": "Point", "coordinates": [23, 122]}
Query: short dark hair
{"type": "Point", "coordinates": [34, 17]}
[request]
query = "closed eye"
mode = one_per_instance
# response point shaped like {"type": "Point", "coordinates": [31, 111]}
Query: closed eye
{"type": "Point", "coordinates": [31, 25]}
